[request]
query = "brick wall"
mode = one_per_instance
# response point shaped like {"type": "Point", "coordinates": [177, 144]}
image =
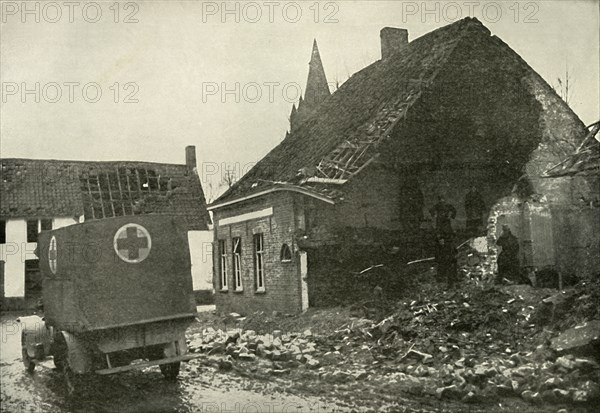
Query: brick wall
{"type": "Point", "coordinates": [378, 197]}
{"type": "Point", "coordinates": [372, 199]}
{"type": "Point", "coordinates": [282, 284]}
{"type": "Point", "coordinates": [374, 207]}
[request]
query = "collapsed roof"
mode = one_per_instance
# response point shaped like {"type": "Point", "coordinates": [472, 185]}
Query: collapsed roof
{"type": "Point", "coordinates": [585, 160]}
{"type": "Point", "coordinates": [34, 188]}
{"type": "Point", "coordinates": [347, 131]}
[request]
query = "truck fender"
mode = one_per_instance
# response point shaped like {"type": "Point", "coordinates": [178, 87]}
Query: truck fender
{"type": "Point", "coordinates": [78, 355]}
{"type": "Point", "coordinates": [37, 336]}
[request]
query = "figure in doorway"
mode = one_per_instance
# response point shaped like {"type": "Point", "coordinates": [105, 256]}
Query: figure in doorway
{"type": "Point", "coordinates": [508, 259]}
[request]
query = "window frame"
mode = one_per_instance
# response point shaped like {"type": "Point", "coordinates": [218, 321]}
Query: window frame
{"type": "Point", "coordinates": [236, 254]}
{"type": "Point", "coordinates": [222, 251]}
{"type": "Point", "coordinates": [259, 262]}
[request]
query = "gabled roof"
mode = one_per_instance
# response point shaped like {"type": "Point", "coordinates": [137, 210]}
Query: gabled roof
{"type": "Point", "coordinates": [352, 121]}
{"type": "Point", "coordinates": [585, 160]}
{"type": "Point", "coordinates": [344, 136]}
{"type": "Point", "coordinates": [35, 188]}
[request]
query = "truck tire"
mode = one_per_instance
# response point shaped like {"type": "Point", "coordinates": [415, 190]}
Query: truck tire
{"type": "Point", "coordinates": [59, 351]}
{"type": "Point", "coordinates": [27, 361]}
{"type": "Point", "coordinates": [170, 370]}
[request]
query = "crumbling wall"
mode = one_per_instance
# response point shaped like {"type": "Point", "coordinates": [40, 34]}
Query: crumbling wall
{"type": "Point", "coordinates": [577, 246]}
{"type": "Point", "coordinates": [576, 227]}
{"type": "Point", "coordinates": [562, 132]}
{"type": "Point", "coordinates": [561, 237]}
{"type": "Point", "coordinates": [530, 221]}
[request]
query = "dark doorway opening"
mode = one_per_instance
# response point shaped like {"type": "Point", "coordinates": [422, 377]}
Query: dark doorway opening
{"type": "Point", "coordinates": [33, 279]}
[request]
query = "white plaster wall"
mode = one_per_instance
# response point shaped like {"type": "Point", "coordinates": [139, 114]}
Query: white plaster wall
{"type": "Point", "coordinates": [17, 250]}
{"type": "Point", "coordinates": [201, 257]}
{"type": "Point", "coordinates": [12, 254]}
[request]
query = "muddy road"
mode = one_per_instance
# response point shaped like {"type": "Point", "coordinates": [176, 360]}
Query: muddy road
{"type": "Point", "coordinates": [199, 388]}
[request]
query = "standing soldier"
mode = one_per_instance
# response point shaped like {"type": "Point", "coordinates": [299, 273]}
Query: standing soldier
{"type": "Point", "coordinates": [443, 213]}
{"type": "Point", "coordinates": [508, 259]}
{"type": "Point", "coordinates": [475, 210]}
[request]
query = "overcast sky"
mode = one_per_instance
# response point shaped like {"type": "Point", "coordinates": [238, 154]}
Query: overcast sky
{"type": "Point", "coordinates": [174, 61]}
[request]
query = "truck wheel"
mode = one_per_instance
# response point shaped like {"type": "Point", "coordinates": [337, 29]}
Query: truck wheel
{"type": "Point", "coordinates": [59, 351]}
{"type": "Point", "coordinates": [27, 361]}
{"type": "Point", "coordinates": [170, 370]}
{"type": "Point", "coordinates": [61, 361]}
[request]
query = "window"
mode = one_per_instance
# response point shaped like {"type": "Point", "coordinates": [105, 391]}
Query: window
{"type": "Point", "coordinates": [2, 232]}
{"type": "Point", "coordinates": [222, 265]}
{"type": "Point", "coordinates": [237, 264]}
{"type": "Point", "coordinates": [32, 230]}
{"type": "Point", "coordinates": [46, 224]}
{"type": "Point", "coordinates": [286, 253]}
{"type": "Point", "coordinates": [259, 264]}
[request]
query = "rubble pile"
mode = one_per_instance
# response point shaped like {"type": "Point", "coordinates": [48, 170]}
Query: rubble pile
{"type": "Point", "coordinates": [285, 350]}
{"type": "Point", "coordinates": [480, 343]}
{"type": "Point", "coordinates": [452, 320]}
{"type": "Point", "coordinates": [474, 345]}
{"type": "Point", "coordinates": [568, 308]}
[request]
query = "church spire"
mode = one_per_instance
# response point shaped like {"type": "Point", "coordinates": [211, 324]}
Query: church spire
{"type": "Point", "coordinates": [316, 90]}
{"type": "Point", "coordinates": [293, 116]}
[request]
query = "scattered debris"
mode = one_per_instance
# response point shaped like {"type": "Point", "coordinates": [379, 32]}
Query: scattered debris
{"type": "Point", "coordinates": [470, 345]}
{"type": "Point", "coordinates": [582, 338]}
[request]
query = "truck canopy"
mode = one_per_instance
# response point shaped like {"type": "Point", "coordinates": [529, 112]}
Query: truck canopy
{"type": "Point", "coordinates": [116, 272]}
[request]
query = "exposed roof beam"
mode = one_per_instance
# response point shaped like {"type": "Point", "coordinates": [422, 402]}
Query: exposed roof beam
{"type": "Point", "coordinates": [317, 180]}
{"type": "Point", "coordinates": [296, 189]}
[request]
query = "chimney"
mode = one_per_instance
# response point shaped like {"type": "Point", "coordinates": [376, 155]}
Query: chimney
{"type": "Point", "coordinates": [392, 41]}
{"type": "Point", "coordinates": [190, 156]}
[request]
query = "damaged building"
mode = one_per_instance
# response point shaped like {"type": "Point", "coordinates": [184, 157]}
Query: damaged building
{"type": "Point", "coordinates": [452, 109]}
{"type": "Point", "coordinates": [40, 195]}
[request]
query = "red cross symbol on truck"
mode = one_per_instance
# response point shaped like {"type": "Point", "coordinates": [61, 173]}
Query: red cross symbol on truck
{"type": "Point", "coordinates": [132, 243]}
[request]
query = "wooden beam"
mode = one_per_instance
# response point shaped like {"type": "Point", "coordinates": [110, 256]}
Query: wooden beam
{"type": "Point", "coordinates": [112, 205]}
{"type": "Point", "coordinates": [100, 193]}
{"type": "Point", "coordinates": [87, 181]}
{"type": "Point", "coordinates": [120, 190]}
